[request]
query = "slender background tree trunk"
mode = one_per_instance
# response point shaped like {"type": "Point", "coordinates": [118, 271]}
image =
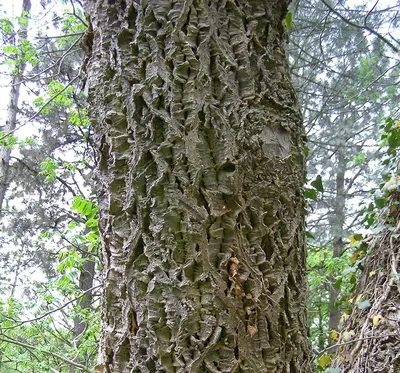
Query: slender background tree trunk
{"type": "Point", "coordinates": [338, 222]}
{"type": "Point", "coordinates": [86, 279]}
{"type": "Point", "coordinates": [12, 108]}
{"type": "Point", "coordinates": [200, 170]}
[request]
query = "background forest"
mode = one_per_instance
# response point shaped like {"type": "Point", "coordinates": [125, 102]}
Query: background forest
{"type": "Point", "coordinates": [344, 58]}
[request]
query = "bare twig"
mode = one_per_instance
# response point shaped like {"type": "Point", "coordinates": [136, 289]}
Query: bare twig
{"type": "Point", "coordinates": [364, 27]}
{"type": "Point", "coordinates": [52, 311]}
{"type": "Point", "coordinates": [59, 36]}
{"type": "Point", "coordinates": [59, 60]}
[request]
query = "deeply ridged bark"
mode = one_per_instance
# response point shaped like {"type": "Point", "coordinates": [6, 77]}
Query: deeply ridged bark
{"type": "Point", "coordinates": [200, 169]}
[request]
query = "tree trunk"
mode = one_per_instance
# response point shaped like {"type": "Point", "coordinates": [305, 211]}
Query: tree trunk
{"type": "Point", "coordinates": [86, 278]}
{"type": "Point", "coordinates": [12, 108]}
{"type": "Point", "coordinates": [337, 228]}
{"type": "Point", "coordinates": [375, 343]}
{"type": "Point", "coordinates": [200, 170]}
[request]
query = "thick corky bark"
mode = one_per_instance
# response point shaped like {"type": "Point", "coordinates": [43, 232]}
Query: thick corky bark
{"type": "Point", "coordinates": [201, 166]}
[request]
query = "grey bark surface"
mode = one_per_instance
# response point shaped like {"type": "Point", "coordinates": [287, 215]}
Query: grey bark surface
{"type": "Point", "coordinates": [200, 170]}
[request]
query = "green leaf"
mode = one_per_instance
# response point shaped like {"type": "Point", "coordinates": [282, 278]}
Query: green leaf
{"type": "Point", "coordinates": [77, 202]}
{"type": "Point", "coordinates": [91, 223]}
{"type": "Point", "coordinates": [310, 194]}
{"type": "Point", "coordinates": [359, 159]}
{"type": "Point", "coordinates": [72, 225]}
{"type": "Point", "coordinates": [288, 20]}
{"type": "Point", "coordinates": [388, 124]}
{"type": "Point", "coordinates": [6, 26]}
{"type": "Point", "coordinates": [310, 235]}
{"type": "Point", "coordinates": [87, 208]}
{"type": "Point", "coordinates": [23, 20]}
{"type": "Point", "coordinates": [317, 184]}
{"type": "Point", "coordinates": [10, 49]}
{"type": "Point", "coordinates": [380, 202]}
{"type": "Point", "coordinates": [338, 283]}
{"type": "Point", "coordinates": [62, 282]}
{"type": "Point", "coordinates": [324, 360]}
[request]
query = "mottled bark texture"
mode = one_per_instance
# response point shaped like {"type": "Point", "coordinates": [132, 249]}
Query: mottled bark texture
{"type": "Point", "coordinates": [201, 166]}
{"type": "Point", "coordinates": [375, 346]}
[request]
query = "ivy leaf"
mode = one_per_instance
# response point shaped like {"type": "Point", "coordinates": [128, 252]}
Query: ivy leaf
{"type": "Point", "coordinates": [358, 237]}
{"type": "Point", "coordinates": [334, 335]}
{"type": "Point", "coordinates": [380, 202]}
{"type": "Point", "coordinates": [324, 360]}
{"type": "Point", "coordinates": [310, 194]}
{"type": "Point", "coordinates": [362, 305]}
{"type": "Point", "coordinates": [352, 240]}
{"type": "Point", "coordinates": [348, 335]}
{"type": "Point", "coordinates": [393, 140]}
{"type": "Point", "coordinates": [377, 319]}
{"type": "Point", "coordinates": [338, 283]}
{"type": "Point", "coordinates": [317, 184]}
{"type": "Point", "coordinates": [348, 270]}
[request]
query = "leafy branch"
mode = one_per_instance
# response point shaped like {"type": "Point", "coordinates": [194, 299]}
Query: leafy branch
{"type": "Point", "coordinates": [44, 106]}
{"type": "Point", "coordinates": [34, 348]}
